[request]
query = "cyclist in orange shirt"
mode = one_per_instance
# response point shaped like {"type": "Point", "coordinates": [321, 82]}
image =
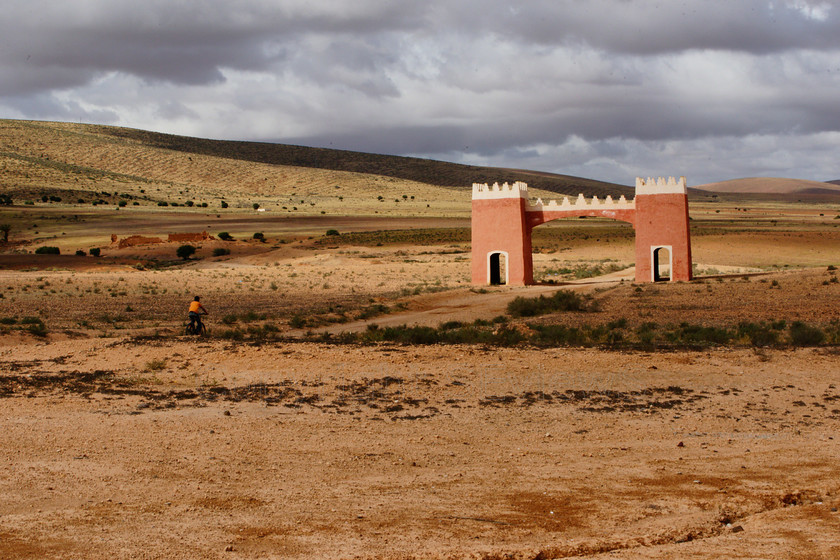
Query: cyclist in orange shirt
{"type": "Point", "coordinates": [196, 311]}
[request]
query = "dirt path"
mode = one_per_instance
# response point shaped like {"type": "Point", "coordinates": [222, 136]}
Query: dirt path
{"type": "Point", "coordinates": [468, 304]}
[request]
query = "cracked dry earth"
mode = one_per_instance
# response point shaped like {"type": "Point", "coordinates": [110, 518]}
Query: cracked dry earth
{"type": "Point", "coordinates": [126, 448]}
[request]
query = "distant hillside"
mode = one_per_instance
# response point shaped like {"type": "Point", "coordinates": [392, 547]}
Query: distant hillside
{"type": "Point", "coordinates": [770, 185]}
{"type": "Point", "coordinates": [835, 182]}
{"type": "Point", "coordinates": [69, 163]}
{"type": "Point", "coordinates": [428, 171]}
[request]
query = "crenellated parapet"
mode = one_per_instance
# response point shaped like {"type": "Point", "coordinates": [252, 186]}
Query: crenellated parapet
{"type": "Point", "coordinates": [660, 185]}
{"type": "Point", "coordinates": [581, 202]}
{"type": "Point", "coordinates": [483, 191]}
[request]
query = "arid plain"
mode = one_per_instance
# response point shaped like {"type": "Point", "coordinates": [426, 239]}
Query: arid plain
{"type": "Point", "coordinates": [679, 420]}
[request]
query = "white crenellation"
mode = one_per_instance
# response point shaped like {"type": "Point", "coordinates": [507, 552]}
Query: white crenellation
{"type": "Point", "coordinates": [660, 185]}
{"type": "Point", "coordinates": [483, 191]}
{"type": "Point", "coordinates": [609, 203]}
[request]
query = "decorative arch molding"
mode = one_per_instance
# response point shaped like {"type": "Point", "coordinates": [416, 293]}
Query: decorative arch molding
{"type": "Point", "coordinates": [503, 218]}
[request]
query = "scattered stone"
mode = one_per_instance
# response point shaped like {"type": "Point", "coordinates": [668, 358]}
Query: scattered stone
{"type": "Point", "coordinates": [737, 529]}
{"type": "Point", "coordinates": [226, 413]}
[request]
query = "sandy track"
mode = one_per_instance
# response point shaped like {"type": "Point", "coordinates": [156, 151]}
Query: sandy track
{"type": "Point", "coordinates": [467, 305]}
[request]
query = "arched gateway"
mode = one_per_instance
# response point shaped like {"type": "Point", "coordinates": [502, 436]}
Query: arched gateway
{"type": "Point", "coordinates": [503, 217]}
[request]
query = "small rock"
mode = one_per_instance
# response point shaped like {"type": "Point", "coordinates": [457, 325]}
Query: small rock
{"type": "Point", "coordinates": [737, 529]}
{"type": "Point", "coordinates": [680, 444]}
{"type": "Point", "coordinates": [226, 413]}
{"type": "Point", "coordinates": [229, 548]}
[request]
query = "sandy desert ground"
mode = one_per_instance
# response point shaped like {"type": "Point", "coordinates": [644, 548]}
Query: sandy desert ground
{"type": "Point", "coordinates": [122, 438]}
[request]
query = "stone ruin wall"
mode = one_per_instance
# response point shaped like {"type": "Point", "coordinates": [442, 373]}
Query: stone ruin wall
{"type": "Point", "coordinates": [138, 240]}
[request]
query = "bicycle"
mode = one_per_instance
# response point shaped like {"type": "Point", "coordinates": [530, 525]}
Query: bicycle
{"type": "Point", "coordinates": [197, 328]}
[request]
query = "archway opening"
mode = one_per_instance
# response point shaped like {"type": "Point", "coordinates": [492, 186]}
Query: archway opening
{"type": "Point", "coordinates": [498, 269]}
{"type": "Point", "coordinates": [579, 247]}
{"type": "Point", "coordinates": [661, 264]}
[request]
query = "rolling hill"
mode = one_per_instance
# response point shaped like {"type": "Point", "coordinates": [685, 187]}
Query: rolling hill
{"type": "Point", "coordinates": [80, 163]}
{"type": "Point", "coordinates": [770, 185]}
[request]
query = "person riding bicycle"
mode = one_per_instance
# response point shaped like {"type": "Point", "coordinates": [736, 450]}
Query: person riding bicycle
{"type": "Point", "coordinates": [196, 311]}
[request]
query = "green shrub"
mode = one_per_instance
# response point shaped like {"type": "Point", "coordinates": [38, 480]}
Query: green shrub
{"type": "Point", "coordinates": [558, 335]}
{"type": "Point", "coordinates": [758, 334]}
{"type": "Point", "coordinates": [332, 232]}
{"type": "Point", "coordinates": [122, 204]}
{"type": "Point", "coordinates": [220, 252]}
{"type": "Point", "coordinates": [37, 329]}
{"type": "Point", "coordinates": [47, 251]}
{"type": "Point", "coordinates": [259, 236]}
{"type": "Point", "coordinates": [80, 253]}
{"type": "Point", "coordinates": [225, 236]}
{"type": "Point", "coordinates": [805, 335]}
{"type": "Point", "coordinates": [224, 204]}
{"type": "Point", "coordinates": [155, 365]}
{"type": "Point", "coordinates": [297, 322]}
{"type": "Point", "coordinates": [94, 251]}
{"type": "Point", "coordinates": [185, 251]}
{"type": "Point", "coordinates": [428, 335]}
{"type": "Point", "coordinates": [251, 316]}
{"type": "Point", "coordinates": [163, 203]}
{"type": "Point", "coordinates": [617, 324]}
{"type": "Point", "coordinates": [374, 310]}
{"type": "Point", "coordinates": [687, 334]}
{"type": "Point", "coordinates": [232, 334]}
{"type": "Point", "coordinates": [562, 300]}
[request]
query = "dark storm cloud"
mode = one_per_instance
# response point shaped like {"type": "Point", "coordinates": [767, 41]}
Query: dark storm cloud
{"type": "Point", "coordinates": [603, 86]}
{"type": "Point", "coordinates": [656, 27]}
{"type": "Point", "coordinates": [185, 43]}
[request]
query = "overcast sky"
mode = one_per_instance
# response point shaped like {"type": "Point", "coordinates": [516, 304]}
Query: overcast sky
{"type": "Point", "coordinates": [607, 89]}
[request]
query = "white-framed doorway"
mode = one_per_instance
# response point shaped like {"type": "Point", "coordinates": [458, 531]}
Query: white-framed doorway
{"type": "Point", "coordinates": [660, 268]}
{"type": "Point", "coordinates": [498, 268]}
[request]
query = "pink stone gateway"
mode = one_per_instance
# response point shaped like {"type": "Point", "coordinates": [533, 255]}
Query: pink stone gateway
{"type": "Point", "coordinates": [503, 217]}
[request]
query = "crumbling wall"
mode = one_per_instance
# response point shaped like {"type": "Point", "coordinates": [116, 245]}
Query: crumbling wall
{"type": "Point", "coordinates": [187, 237]}
{"type": "Point", "coordinates": [135, 240]}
